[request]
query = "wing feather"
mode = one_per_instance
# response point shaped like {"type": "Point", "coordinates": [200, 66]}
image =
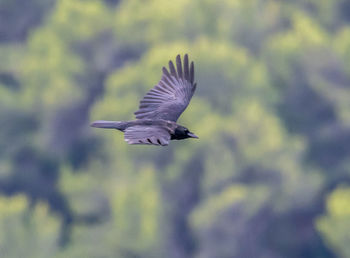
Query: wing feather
{"type": "Point", "coordinates": [179, 66]}
{"type": "Point", "coordinates": [172, 69]}
{"type": "Point", "coordinates": [192, 73]}
{"type": "Point", "coordinates": [149, 135]}
{"type": "Point", "coordinates": [170, 97]}
{"type": "Point", "coordinates": [186, 69]}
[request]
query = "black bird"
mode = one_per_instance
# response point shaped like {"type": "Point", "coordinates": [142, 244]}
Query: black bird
{"type": "Point", "coordinates": [160, 108]}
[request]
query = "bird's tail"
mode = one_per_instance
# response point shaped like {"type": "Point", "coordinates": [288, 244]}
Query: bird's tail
{"type": "Point", "coordinates": [120, 125]}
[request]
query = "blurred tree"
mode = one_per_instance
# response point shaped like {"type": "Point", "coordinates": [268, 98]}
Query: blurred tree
{"type": "Point", "coordinates": [27, 231]}
{"type": "Point", "coordinates": [17, 17]}
{"type": "Point", "coordinates": [334, 225]}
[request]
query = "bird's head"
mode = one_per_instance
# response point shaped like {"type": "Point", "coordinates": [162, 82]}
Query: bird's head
{"type": "Point", "coordinates": [182, 132]}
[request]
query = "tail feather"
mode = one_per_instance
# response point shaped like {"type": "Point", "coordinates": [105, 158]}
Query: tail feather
{"type": "Point", "coordinates": [109, 124]}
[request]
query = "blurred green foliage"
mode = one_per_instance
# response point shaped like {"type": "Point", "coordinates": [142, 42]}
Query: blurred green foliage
{"type": "Point", "coordinates": [335, 223]}
{"type": "Point", "coordinates": [27, 231]}
{"type": "Point", "coordinates": [269, 176]}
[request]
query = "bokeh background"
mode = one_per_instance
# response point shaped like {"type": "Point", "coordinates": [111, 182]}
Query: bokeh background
{"type": "Point", "coordinates": [269, 176]}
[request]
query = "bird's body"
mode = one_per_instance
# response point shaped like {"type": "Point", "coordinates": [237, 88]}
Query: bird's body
{"type": "Point", "coordinates": [159, 110]}
{"type": "Point", "coordinates": [148, 131]}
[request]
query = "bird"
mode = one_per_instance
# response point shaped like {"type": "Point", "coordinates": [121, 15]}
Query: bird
{"type": "Point", "coordinates": [160, 108]}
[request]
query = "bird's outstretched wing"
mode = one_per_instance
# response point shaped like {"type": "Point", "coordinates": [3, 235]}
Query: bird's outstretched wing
{"type": "Point", "coordinates": [170, 97]}
{"type": "Point", "coordinates": [152, 135]}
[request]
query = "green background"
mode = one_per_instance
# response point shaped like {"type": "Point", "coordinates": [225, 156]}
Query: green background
{"type": "Point", "coordinates": [269, 176]}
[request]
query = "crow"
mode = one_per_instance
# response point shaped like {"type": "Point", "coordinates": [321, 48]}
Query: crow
{"type": "Point", "coordinates": [160, 108]}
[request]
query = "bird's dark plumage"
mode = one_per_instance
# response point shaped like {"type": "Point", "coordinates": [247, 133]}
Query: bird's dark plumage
{"type": "Point", "coordinates": [160, 108]}
{"type": "Point", "coordinates": [170, 97]}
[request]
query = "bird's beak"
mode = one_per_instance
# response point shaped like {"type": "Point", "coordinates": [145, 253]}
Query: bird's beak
{"type": "Point", "coordinates": [192, 135]}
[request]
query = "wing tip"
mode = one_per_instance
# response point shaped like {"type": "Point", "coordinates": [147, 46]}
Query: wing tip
{"type": "Point", "coordinates": [179, 66]}
{"type": "Point", "coordinates": [192, 72]}
{"type": "Point", "coordinates": [172, 69]}
{"type": "Point", "coordinates": [188, 70]}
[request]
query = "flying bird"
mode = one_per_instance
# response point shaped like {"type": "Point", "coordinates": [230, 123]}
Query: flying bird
{"type": "Point", "coordinates": [155, 122]}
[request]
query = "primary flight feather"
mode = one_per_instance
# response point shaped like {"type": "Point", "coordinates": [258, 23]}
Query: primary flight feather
{"type": "Point", "coordinates": [160, 108]}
